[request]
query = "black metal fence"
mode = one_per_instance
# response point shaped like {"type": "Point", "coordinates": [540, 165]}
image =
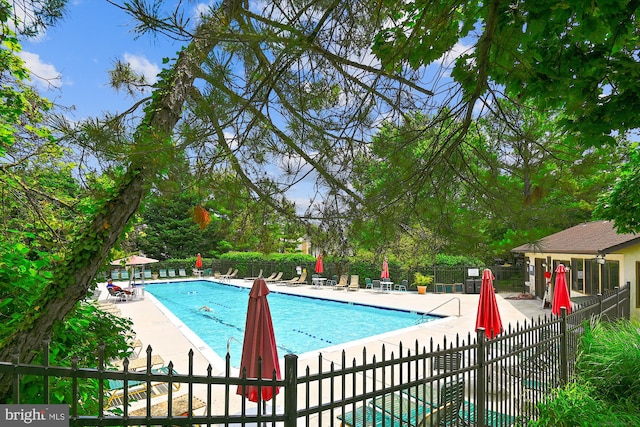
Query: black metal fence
{"type": "Point", "coordinates": [468, 381]}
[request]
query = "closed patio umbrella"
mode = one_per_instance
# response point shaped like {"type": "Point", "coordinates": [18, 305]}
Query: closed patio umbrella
{"type": "Point", "coordinates": [560, 292]}
{"type": "Point", "coordinates": [385, 269]}
{"type": "Point", "coordinates": [259, 344]}
{"type": "Point", "coordinates": [319, 266]}
{"type": "Point", "coordinates": [199, 261]}
{"type": "Point", "coordinates": [488, 316]}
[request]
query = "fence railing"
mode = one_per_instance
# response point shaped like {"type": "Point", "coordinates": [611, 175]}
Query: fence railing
{"type": "Point", "coordinates": [467, 381]}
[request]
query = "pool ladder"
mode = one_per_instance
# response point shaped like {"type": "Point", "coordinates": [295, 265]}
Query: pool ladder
{"type": "Point", "coordinates": [229, 344]}
{"type": "Point", "coordinates": [423, 318]}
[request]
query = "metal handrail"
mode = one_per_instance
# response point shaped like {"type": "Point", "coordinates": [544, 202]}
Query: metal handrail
{"type": "Point", "coordinates": [423, 318]}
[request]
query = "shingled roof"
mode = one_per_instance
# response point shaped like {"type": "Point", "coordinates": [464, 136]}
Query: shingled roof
{"type": "Point", "coordinates": [598, 237]}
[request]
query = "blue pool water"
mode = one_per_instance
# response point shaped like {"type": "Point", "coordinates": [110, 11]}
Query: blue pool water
{"type": "Point", "coordinates": [301, 324]}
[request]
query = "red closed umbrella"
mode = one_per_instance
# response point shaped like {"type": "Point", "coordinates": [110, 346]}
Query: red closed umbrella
{"type": "Point", "coordinates": [560, 291]}
{"type": "Point", "coordinates": [319, 266]}
{"type": "Point", "coordinates": [488, 316]}
{"type": "Point", "coordinates": [385, 269]}
{"type": "Point", "coordinates": [259, 343]}
{"type": "Point", "coordinates": [199, 261]}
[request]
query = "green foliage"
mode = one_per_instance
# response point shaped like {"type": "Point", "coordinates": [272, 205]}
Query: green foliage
{"type": "Point", "coordinates": [609, 359]}
{"type": "Point", "coordinates": [606, 389]}
{"type": "Point", "coordinates": [622, 203]}
{"type": "Point", "coordinates": [420, 279]}
{"type": "Point", "coordinates": [579, 404]}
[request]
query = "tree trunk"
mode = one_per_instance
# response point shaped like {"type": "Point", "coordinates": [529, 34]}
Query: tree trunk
{"type": "Point", "coordinates": [74, 275]}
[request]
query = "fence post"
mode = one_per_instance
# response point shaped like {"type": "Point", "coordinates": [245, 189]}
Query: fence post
{"type": "Point", "coordinates": [617, 289]}
{"type": "Point", "coordinates": [290, 389]}
{"type": "Point", "coordinates": [564, 342]}
{"type": "Point", "coordinates": [481, 382]}
{"type": "Point", "coordinates": [600, 305]}
{"type": "Point", "coordinates": [45, 378]}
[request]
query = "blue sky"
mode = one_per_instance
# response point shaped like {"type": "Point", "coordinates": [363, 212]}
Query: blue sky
{"type": "Point", "coordinates": [76, 55]}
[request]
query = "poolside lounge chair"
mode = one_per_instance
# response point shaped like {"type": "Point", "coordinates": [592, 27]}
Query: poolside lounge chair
{"type": "Point", "coordinates": [138, 389]}
{"type": "Point", "coordinates": [395, 409]}
{"type": "Point", "coordinates": [274, 277]}
{"type": "Point", "coordinates": [182, 272]}
{"type": "Point", "coordinates": [124, 275]}
{"type": "Point", "coordinates": [141, 363]}
{"type": "Point", "coordinates": [260, 275]}
{"type": "Point", "coordinates": [115, 275]}
{"type": "Point", "coordinates": [354, 283]}
{"type": "Point", "coordinates": [301, 281]}
{"type": "Point", "coordinates": [172, 272]}
{"type": "Point", "coordinates": [179, 407]}
{"type": "Point", "coordinates": [285, 282]}
{"type": "Point", "coordinates": [222, 276]}
{"type": "Point", "coordinates": [342, 284]}
{"type": "Point", "coordinates": [162, 273]}
{"type": "Point", "coordinates": [147, 274]}
{"type": "Point", "coordinates": [232, 275]}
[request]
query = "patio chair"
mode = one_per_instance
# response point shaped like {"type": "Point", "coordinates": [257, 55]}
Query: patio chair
{"type": "Point", "coordinates": [182, 272]}
{"type": "Point", "coordinates": [402, 286]}
{"type": "Point", "coordinates": [438, 288]}
{"type": "Point", "coordinates": [124, 275]}
{"type": "Point", "coordinates": [172, 272]}
{"type": "Point", "coordinates": [115, 274]}
{"type": "Point", "coordinates": [147, 274]}
{"type": "Point", "coordinates": [354, 283]}
{"type": "Point", "coordinates": [286, 282]}
{"type": "Point", "coordinates": [162, 273]}
{"type": "Point", "coordinates": [118, 294]}
{"type": "Point", "coordinates": [223, 276]}
{"type": "Point", "coordinates": [342, 284]}
{"type": "Point", "coordinates": [367, 283]}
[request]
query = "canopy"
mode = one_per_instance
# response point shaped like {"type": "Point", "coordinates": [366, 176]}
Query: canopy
{"type": "Point", "coordinates": [560, 292]}
{"type": "Point", "coordinates": [488, 316]}
{"type": "Point", "coordinates": [135, 260]}
{"type": "Point", "coordinates": [259, 344]}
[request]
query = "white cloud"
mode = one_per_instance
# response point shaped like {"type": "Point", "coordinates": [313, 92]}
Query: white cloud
{"type": "Point", "coordinates": [142, 65]}
{"type": "Point", "coordinates": [44, 76]}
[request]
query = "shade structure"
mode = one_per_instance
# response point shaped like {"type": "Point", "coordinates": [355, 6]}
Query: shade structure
{"type": "Point", "coordinates": [560, 292]}
{"type": "Point", "coordinates": [319, 266]}
{"type": "Point", "coordinates": [199, 261]}
{"type": "Point", "coordinates": [135, 260]}
{"type": "Point", "coordinates": [259, 344]}
{"type": "Point", "coordinates": [385, 269]}
{"type": "Point", "coordinates": [488, 316]}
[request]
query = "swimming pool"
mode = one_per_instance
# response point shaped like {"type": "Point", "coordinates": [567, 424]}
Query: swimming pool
{"type": "Point", "coordinates": [301, 324]}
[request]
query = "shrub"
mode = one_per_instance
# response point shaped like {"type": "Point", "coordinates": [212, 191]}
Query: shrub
{"type": "Point", "coordinates": [578, 404]}
{"type": "Point", "coordinates": [609, 360]}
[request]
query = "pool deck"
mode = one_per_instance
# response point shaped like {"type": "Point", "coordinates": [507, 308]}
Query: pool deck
{"type": "Point", "coordinates": [172, 342]}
